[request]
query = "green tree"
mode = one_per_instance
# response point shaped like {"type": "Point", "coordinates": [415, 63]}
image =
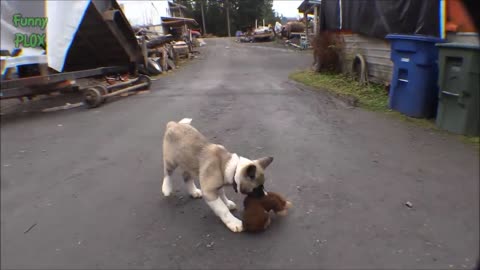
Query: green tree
{"type": "Point", "coordinates": [243, 13]}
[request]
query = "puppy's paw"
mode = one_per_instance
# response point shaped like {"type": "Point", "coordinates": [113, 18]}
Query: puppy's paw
{"type": "Point", "coordinates": [288, 205]}
{"type": "Point", "coordinates": [231, 205]}
{"type": "Point", "coordinates": [282, 213]}
{"type": "Point", "coordinates": [166, 187]}
{"type": "Point", "coordinates": [197, 193]}
{"type": "Point", "coordinates": [267, 223]}
{"type": "Point", "coordinates": [235, 225]}
{"type": "Point", "coordinates": [166, 192]}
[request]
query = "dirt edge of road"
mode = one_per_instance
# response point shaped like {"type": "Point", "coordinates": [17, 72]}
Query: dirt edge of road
{"type": "Point", "coordinates": [352, 101]}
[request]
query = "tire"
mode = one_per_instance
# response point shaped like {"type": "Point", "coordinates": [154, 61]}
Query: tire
{"type": "Point", "coordinates": [153, 67]}
{"type": "Point", "coordinates": [92, 97]}
{"type": "Point", "coordinates": [145, 79]}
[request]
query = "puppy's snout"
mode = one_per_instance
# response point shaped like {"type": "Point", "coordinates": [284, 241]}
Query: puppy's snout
{"type": "Point", "coordinates": [258, 192]}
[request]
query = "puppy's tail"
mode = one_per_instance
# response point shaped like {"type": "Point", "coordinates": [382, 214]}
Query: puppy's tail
{"type": "Point", "coordinates": [185, 121]}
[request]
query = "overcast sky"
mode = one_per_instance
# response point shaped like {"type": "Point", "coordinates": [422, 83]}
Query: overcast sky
{"type": "Point", "coordinates": [287, 7]}
{"type": "Point", "coordinates": [137, 11]}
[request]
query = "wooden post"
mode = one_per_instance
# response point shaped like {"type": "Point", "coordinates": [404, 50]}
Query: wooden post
{"type": "Point", "coordinates": [315, 20]}
{"type": "Point", "coordinates": [203, 19]}
{"type": "Point", "coordinates": [144, 51]}
{"type": "Point", "coordinates": [227, 6]}
{"type": "Point", "coordinates": [305, 17]}
{"type": "Point", "coordinates": [164, 59]}
{"type": "Point", "coordinates": [319, 18]}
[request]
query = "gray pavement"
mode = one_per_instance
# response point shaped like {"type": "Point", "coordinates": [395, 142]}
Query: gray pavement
{"type": "Point", "coordinates": [82, 188]}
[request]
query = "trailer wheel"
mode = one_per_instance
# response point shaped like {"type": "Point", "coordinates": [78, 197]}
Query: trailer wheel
{"type": "Point", "coordinates": [103, 91]}
{"type": "Point", "coordinates": [93, 97]}
{"type": "Point", "coordinates": [145, 79]}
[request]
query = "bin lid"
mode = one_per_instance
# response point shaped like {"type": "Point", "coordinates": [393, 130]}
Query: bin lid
{"type": "Point", "coordinates": [415, 37]}
{"type": "Point", "coordinates": [458, 45]}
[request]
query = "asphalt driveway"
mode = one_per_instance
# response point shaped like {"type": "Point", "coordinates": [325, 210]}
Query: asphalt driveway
{"type": "Point", "coordinates": [82, 188]}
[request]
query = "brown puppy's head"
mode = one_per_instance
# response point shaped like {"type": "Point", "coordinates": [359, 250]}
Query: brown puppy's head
{"type": "Point", "coordinates": [277, 203]}
{"type": "Point", "coordinates": [258, 192]}
{"type": "Point", "coordinates": [271, 201]}
{"type": "Point", "coordinates": [250, 173]}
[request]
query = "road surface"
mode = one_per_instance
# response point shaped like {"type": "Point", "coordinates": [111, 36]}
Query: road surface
{"type": "Point", "coordinates": [82, 188]}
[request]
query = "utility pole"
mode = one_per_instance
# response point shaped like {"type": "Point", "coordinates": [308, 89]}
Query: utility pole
{"type": "Point", "coordinates": [203, 19]}
{"type": "Point", "coordinates": [227, 6]}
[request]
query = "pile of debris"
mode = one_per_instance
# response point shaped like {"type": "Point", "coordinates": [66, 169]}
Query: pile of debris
{"type": "Point", "coordinates": [294, 35]}
{"type": "Point", "coordinates": [95, 46]}
{"type": "Point", "coordinates": [164, 52]}
{"type": "Point", "coordinates": [262, 33]}
{"type": "Point", "coordinates": [292, 29]}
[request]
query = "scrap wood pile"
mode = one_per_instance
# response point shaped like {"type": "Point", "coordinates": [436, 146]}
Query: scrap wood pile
{"type": "Point", "coordinates": [164, 52]}
{"type": "Point", "coordinates": [294, 35]}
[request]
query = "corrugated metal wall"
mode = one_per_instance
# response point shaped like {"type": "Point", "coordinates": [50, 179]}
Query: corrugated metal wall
{"type": "Point", "coordinates": [375, 51]}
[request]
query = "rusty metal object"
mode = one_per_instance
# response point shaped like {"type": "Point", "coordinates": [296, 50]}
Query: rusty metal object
{"type": "Point", "coordinates": [38, 85]}
{"type": "Point", "coordinates": [95, 96]}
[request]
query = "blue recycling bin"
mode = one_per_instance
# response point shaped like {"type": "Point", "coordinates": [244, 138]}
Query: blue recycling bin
{"type": "Point", "coordinates": [413, 89]}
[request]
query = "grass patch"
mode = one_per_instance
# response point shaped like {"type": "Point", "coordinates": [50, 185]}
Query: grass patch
{"type": "Point", "coordinates": [371, 97]}
{"type": "Point", "coordinates": [471, 140]}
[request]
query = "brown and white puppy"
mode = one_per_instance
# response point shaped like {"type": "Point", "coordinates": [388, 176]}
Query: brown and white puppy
{"type": "Point", "coordinates": [215, 167]}
{"type": "Point", "coordinates": [257, 206]}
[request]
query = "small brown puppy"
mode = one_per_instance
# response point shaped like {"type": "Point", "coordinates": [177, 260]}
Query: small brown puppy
{"type": "Point", "coordinates": [257, 206]}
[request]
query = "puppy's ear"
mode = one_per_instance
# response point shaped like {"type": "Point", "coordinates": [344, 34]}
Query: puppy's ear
{"type": "Point", "coordinates": [251, 171]}
{"type": "Point", "coordinates": [265, 161]}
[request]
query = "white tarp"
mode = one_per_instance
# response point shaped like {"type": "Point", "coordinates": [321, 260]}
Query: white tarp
{"type": "Point", "coordinates": [142, 13]}
{"type": "Point", "coordinates": [64, 18]}
{"type": "Point", "coordinates": [58, 20]}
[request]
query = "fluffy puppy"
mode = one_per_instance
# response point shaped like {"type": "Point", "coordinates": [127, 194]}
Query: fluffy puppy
{"type": "Point", "coordinates": [257, 206]}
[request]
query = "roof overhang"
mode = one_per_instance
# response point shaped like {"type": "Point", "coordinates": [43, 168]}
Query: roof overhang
{"type": "Point", "coordinates": [176, 6]}
{"type": "Point", "coordinates": [307, 6]}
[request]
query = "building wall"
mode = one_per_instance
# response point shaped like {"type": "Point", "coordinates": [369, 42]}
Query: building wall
{"type": "Point", "coordinates": [376, 53]}
{"type": "Point", "coordinates": [157, 28]}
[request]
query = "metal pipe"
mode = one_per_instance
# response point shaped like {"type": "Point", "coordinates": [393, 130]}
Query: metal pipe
{"type": "Point", "coordinates": [118, 85]}
{"type": "Point", "coordinates": [72, 75]}
{"type": "Point", "coordinates": [133, 87]}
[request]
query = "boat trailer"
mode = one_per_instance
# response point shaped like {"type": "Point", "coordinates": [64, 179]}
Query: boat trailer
{"type": "Point", "coordinates": [93, 96]}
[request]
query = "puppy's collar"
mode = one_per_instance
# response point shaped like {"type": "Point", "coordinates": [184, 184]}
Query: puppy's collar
{"type": "Point", "coordinates": [231, 172]}
{"type": "Point", "coordinates": [235, 185]}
